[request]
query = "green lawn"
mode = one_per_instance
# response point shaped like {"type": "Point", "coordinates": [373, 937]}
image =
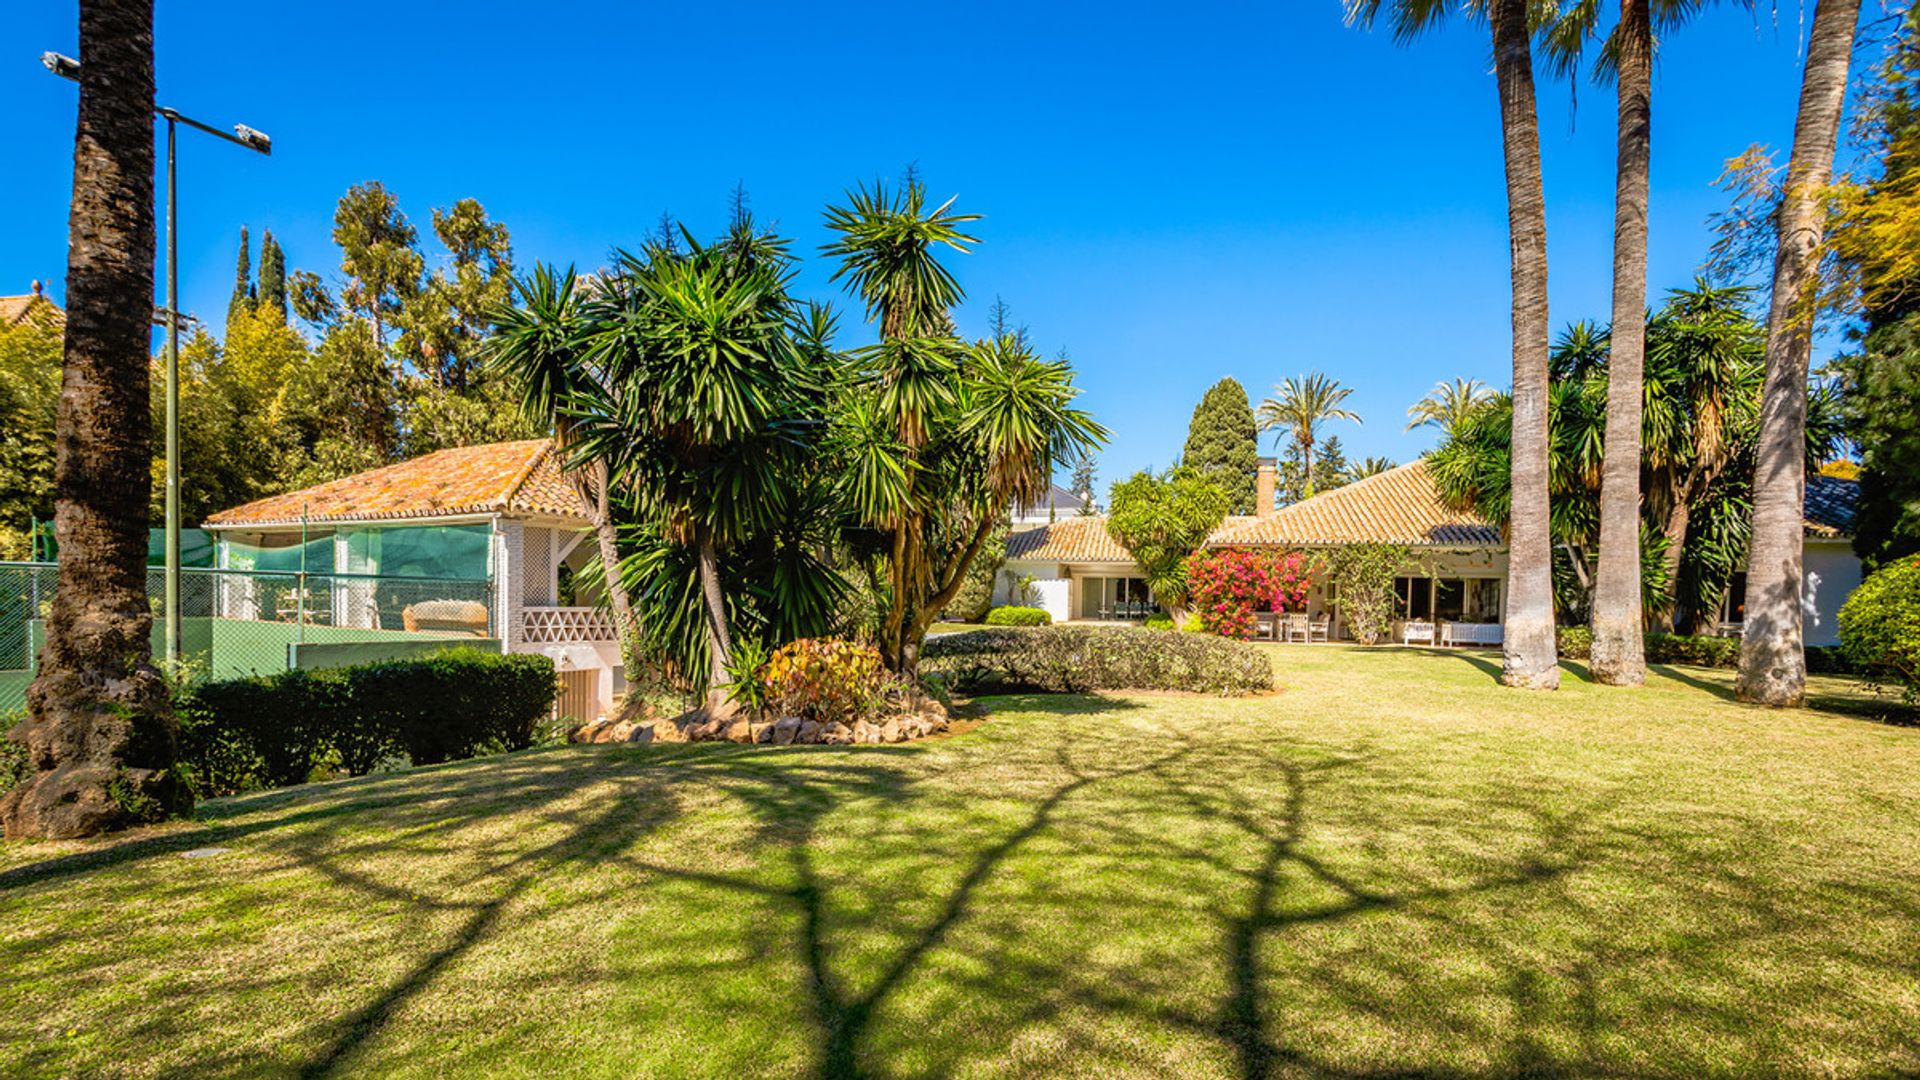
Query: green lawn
{"type": "Point", "coordinates": [1392, 867]}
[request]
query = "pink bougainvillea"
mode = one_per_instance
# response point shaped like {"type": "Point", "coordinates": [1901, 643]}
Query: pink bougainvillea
{"type": "Point", "coordinates": [1227, 587]}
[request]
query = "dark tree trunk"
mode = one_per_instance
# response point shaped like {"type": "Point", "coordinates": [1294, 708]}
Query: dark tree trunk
{"type": "Point", "coordinates": [100, 733]}
{"type": "Point", "coordinates": [1773, 661]}
{"type": "Point", "coordinates": [1530, 658]}
{"type": "Point", "coordinates": [1619, 651]}
{"type": "Point", "coordinates": [719, 642]}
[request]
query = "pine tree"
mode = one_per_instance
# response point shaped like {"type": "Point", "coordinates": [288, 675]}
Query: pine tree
{"type": "Point", "coordinates": [242, 280]}
{"type": "Point", "coordinates": [1084, 478]}
{"type": "Point", "coordinates": [272, 295]}
{"type": "Point", "coordinates": [1330, 469]}
{"type": "Point", "coordinates": [1223, 442]}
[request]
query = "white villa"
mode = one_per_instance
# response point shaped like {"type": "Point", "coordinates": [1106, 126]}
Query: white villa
{"type": "Point", "coordinates": [1456, 574]}
{"type": "Point", "coordinates": [500, 516]}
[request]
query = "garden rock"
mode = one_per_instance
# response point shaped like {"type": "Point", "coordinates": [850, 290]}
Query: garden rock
{"type": "Point", "coordinates": [762, 733]}
{"type": "Point", "coordinates": [784, 729]}
{"type": "Point", "coordinates": [641, 733]}
{"type": "Point", "coordinates": [836, 734]}
{"type": "Point", "coordinates": [740, 731]}
{"type": "Point", "coordinates": [809, 732]}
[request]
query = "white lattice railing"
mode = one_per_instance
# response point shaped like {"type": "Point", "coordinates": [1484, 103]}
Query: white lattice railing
{"type": "Point", "coordinates": [552, 625]}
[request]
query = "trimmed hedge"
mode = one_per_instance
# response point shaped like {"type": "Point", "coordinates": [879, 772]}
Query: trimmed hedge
{"type": "Point", "coordinates": [1576, 643]}
{"type": "Point", "coordinates": [1018, 616]}
{"type": "Point", "coordinates": [1076, 659]}
{"type": "Point", "coordinates": [276, 730]}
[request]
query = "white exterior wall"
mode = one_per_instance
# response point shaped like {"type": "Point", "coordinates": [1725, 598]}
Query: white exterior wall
{"type": "Point", "coordinates": [1832, 573]}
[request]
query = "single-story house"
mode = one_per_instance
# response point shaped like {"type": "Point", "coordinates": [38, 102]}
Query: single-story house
{"type": "Point", "coordinates": [500, 518]}
{"type": "Point", "coordinates": [1456, 572]}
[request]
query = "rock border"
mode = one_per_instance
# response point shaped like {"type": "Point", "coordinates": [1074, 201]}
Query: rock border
{"type": "Point", "coordinates": [738, 727]}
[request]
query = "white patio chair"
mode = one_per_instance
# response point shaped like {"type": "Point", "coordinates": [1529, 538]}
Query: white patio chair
{"type": "Point", "coordinates": [1420, 632]}
{"type": "Point", "coordinates": [1320, 629]}
{"type": "Point", "coordinates": [1266, 626]}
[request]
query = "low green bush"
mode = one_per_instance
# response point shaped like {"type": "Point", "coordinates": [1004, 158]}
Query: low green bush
{"type": "Point", "coordinates": [1880, 626]}
{"type": "Point", "coordinates": [272, 731]}
{"type": "Point", "coordinates": [1159, 620]}
{"type": "Point", "coordinates": [1576, 642]}
{"type": "Point", "coordinates": [1076, 659]}
{"type": "Point", "coordinates": [1018, 616]}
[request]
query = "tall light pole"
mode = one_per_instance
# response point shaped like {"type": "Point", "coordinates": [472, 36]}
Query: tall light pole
{"type": "Point", "coordinates": [68, 68]}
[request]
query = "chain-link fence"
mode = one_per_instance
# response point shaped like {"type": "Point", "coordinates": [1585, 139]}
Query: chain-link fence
{"type": "Point", "coordinates": [244, 622]}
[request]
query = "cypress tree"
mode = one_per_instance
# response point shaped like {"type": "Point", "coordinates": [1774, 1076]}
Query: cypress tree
{"type": "Point", "coordinates": [1223, 442]}
{"type": "Point", "coordinates": [242, 280]}
{"type": "Point", "coordinates": [273, 276]}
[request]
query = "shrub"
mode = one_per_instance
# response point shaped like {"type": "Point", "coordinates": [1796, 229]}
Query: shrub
{"type": "Point", "coordinates": [1362, 578]}
{"type": "Point", "coordinates": [1880, 626]}
{"type": "Point", "coordinates": [1018, 616]}
{"type": "Point", "coordinates": [1226, 587]}
{"type": "Point", "coordinates": [1695, 650]}
{"type": "Point", "coordinates": [1192, 624]}
{"type": "Point", "coordinates": [822, 678]}
{"type": "Point", "coordinates": [1576, 642]}
{"type": "Point", "coordinates": [276, 730]}
{"type": "Point", "coordinates": [1076, 659]}
{"type": "Point", "coordinates": [1159, 620]}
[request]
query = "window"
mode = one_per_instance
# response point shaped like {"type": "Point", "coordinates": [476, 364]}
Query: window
{"type": "Point", "coordinates": [1115, 598]}
{"type": "Point", "coordinates": [1413, 597]}
{"type": "Point", "coordinates": [1449, 598]}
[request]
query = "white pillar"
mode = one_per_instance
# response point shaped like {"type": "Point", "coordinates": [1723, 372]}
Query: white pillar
{"type": "Point", "coordinates": [508, 568]}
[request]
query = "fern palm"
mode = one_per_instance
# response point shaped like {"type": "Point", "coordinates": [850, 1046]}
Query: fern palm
{"type": "Point", "coordinates": [1298, 407]}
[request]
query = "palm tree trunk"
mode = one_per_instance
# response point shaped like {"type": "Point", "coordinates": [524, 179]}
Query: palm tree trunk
{"type": "Point", "coordinates": [1530, 660]}
{"type": "Point", "coordinates": [1675, 531]}
{"type": "Point", "coordinates": [1773, 662]}
{"type": "Point", "coordinates": [100, 733]}
{"type": "Point", "coordinates": [1619, 653]}
{"type": "Point", "coordinates": [607, 537]}
{"type": "Point", "coordinates": [719, 643]}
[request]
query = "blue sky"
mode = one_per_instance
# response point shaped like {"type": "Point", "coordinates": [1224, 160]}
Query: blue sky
{"type": "Point", "coordinates": [1172, 193]}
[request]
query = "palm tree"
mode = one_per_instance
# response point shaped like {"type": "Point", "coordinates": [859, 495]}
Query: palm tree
{"type": "Point", "coordinates": [1298, 407]}
{"type": "Point", "coordinates": [537, 345]}
{"type": "Point", "coordinates": [1448, 405]}
{"type": "Point", "coordinates": [1773, 662]}
{"type": "Point", "coordinates": [100, 733]}
{"type": "Point", "coordinates": [1372, 466]}
{"type": "Point", "coordinates": [1530, 651]}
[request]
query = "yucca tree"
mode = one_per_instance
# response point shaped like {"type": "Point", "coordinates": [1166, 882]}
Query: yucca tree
{"type": "Point", "coordinates": [1299, 406]}
{"type": "Point", "coordinates": [1773, 661]}
{"type": "Point", "coordinates": [100, 734]}
{"type": "Point", "coordinates": [1448, 405]}
{"type": "Point", "coordinates": [938, 439]}
{"type": "Point", "coordinates": [537, 345]}
{"type": "Point", "coordinates": [703, 403]}
{"type": "Point", "coordinates": [1530, 652]}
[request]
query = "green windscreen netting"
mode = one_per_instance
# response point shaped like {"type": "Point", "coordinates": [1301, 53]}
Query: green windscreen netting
{"type": "Point", "coordinates": [457, 552]}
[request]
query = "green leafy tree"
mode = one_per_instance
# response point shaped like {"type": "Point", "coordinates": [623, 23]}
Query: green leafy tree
{"type": "Point", "coordinates": [1161, 520]}
{"type": "Point", "coordinates": [1223, 441]}
{"type": "Point", "coordinates": [445, 318]}
{"type": "Point", "coordinates": [29, 401]}
{"type": "Point", "coordinates": [379, 257]}
{"type": "Point", "coordinates": [1085, 476]}
{"type": "Point", "coordinates": [1297, 409]}
{"type": "Point", "coordinates": [1361, 576]}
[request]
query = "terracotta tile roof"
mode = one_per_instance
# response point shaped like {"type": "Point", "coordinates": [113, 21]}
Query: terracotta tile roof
{"type": "Point", "coordinates": [1070, 539]}
{"type": "Point", "coordinates": [15, 309]}
{"type": "Point", "coordinates": [511, 477]}
{"type": "Point", "coordinates": [1081, 540]}
{"type": "Point", "coordinates": [1399, 506]}
{"type": "Point", "coordinates": [1830, 505]}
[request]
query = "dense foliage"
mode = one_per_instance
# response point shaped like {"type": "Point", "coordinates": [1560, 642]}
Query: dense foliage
{"type": "Point", "coordinates": [975, 597]}
{"type": "Point", "coordinates": [1018, 615]}
{"type": "Point", "coordinates": [1223, 443]}
{"type": "Point", "coordinates": [1078, 659]}
{"type": "Point", "coordinates": [1163, 519]}
{"type": "Point", "coordinates": [1880, 625]}
{"type": "Point", "coordinates": [276, 730]}
{"type": "Point", "coordinates": [822, 679]}
{"type": "Point", "coordinates": [1704, 354]}
{"type": "Point", "coordinates": [1361, 577]}
{"type": "Point", "coordinates": [1227, 586]}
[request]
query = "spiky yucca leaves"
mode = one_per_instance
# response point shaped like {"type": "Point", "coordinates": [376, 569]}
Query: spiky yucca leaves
{"type": "Point", "coordinates": [886, 247]}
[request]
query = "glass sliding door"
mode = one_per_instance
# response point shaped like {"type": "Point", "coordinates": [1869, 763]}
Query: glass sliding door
{"type": "Point", "coordinates": [1115, 599]}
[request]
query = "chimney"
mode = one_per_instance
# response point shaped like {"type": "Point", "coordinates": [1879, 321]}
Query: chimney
{"type": "Point", "coordinates": [1264, 477]}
